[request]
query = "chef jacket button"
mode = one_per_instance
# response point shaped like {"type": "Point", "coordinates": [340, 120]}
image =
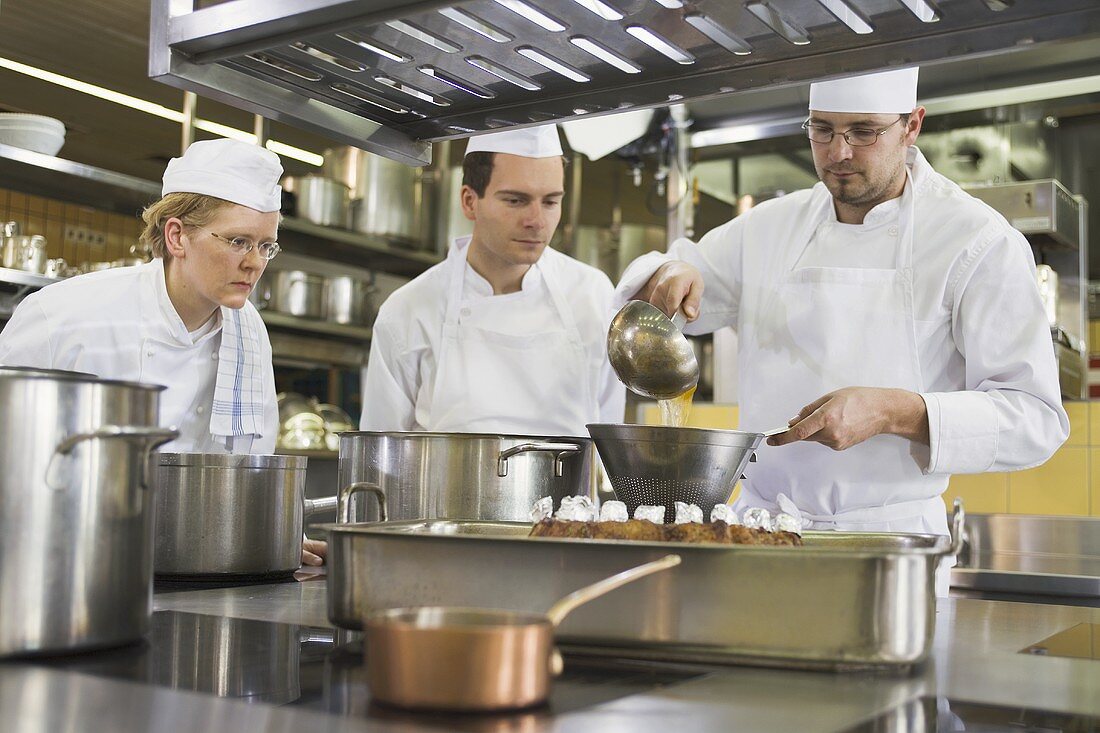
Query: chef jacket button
{"type": "Point", "coordinates": [464, 312]}
{"type": "Point", "coordinates": [214, 355]}
{"type": "Point", "coordinates": [200, 409]}
{"type": "Point", "coordinates": [893, 231]}
{"type": "Point", "coordinates": [150, 352]}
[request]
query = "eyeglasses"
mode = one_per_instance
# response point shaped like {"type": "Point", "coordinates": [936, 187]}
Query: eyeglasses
{"type": "Point", "coordinates": [244, 245]}
{"type": "Point", "coordinates": [857, 137]}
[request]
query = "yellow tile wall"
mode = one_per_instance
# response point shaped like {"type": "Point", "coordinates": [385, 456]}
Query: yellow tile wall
{"type": "Point", "coordinates": [1067, 484]}
{"type": "Point", "coordinates": [49, 217]}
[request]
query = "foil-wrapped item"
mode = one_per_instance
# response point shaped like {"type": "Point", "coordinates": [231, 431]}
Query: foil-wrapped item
{"type": "Point", "coordinates": [576, 509]}
{"type": "Point", "coordinates": [757, 518]}
{"type": "Point", "coordinates": [724, 513]}
{"type": "Point", "coordinates": [788, 523]}
{"type": "Point", "coordinates": [542, 509]}
{"type": "Point", "coordinates": [688, 513]}
{"type": "Point", "coordinates": [655, 514]}
{"type": "Point", "coordinates": [613, 511]}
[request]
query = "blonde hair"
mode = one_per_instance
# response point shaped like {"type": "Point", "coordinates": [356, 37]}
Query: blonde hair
{"type": "Point", "coordinates": [193, 209]}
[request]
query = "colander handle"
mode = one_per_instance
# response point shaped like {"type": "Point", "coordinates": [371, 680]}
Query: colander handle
{"type": "Point", "coordinates": [558, 449]}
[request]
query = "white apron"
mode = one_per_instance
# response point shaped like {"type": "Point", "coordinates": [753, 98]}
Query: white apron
{"type": "Point", "coordinates": [493, 382]}
{"type": "Point", "coordinates": [828, 328]}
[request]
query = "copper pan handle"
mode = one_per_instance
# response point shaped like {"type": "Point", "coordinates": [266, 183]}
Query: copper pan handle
{"type": "Point", "coordinates": [565, 606]}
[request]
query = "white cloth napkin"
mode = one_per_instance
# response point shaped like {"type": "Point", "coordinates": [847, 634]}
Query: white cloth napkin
{"type": "Point", "coordinates": [238, 391]}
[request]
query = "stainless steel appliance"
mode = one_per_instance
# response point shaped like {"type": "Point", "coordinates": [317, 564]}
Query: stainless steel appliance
{"type": "Point", "coordinates": [294, 61]}
{"type": "Point", "coordinates": [464, 475]}
{"type": "Point", "coordinates": [1040, 556]}
{"type": "Point", "coordinates": [844, 600]}
{"type": "Point", "coordinates": [76, 518]}
{"type": "Point", "coordinates": [1054, 221]}
{"type": "Point", "coordinates": [230, 514]}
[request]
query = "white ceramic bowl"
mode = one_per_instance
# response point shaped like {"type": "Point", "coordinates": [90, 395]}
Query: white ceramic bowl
{"type": "Point", "coordinates": [32, 132]}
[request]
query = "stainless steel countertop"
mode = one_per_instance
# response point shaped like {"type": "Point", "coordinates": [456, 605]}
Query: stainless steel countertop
{"type": "Point", "coordinates": [975, 659]}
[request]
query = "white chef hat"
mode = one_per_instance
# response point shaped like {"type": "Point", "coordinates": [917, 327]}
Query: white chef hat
{"type": "Point", "coordinates": [227, 169]}
{"type": "Point", "coordinates": [530, 142]}
{"type": "Point", "coordinates": [883, 92]}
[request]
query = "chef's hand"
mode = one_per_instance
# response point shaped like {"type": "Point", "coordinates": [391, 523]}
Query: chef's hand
{"type": "Point", "coordinates": [675, 286]}
{"type": "Point", "coordinates": [851, 415]}
{"type": "Point", "coordinates": [313, 552]}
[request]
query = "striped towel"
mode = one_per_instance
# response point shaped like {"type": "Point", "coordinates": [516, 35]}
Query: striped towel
{"type": "Point", "coordinates": [238, 391]}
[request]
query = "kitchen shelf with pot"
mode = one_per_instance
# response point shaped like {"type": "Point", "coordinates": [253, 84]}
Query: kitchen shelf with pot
{"type": "Point", "coordinates": [67, 180]}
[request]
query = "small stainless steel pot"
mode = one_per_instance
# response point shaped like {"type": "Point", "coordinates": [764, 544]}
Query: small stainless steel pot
{"type": "Point", "coordinates": [350, 300]}
{"type": "Point", "coordinates": [294, 292]}
{"type": "Point", "coordinates": [75, 517]}
{"type": "Point", "coordinates": [464, 475]}
{"type": "Point", "coordinates": [230, 514]}
{"type": "Point", "coordinates": [25, 252]}
{"type": "Point", "coordinates": [320, 200]}
{"type": "Point", "coordinates": [474, 659]}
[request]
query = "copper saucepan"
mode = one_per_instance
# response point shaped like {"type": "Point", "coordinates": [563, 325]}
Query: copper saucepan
{"type": "Point", "coordinates": [472, 659]}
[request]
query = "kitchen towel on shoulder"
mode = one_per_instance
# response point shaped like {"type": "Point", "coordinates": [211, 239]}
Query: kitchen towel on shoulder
{"type": "Point", "coordinates": [238, 392]}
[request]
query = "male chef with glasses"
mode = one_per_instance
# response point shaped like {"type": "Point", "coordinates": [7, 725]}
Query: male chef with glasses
{"type": "Point", "coordinates": [891, 319]}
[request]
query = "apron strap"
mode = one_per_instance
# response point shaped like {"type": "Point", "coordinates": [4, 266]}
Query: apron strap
{"type": "Point", "coordinates": [895, 512]}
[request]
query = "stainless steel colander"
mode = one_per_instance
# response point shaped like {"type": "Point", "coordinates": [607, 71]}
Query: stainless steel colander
{"type": "Point", "coordinates": [659, 466]}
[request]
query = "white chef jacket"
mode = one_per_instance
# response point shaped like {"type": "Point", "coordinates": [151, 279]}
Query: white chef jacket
{"type": "Point", "coordinates": [120, 324]}
{"type": "Point", "coordinates": [983, 362]}
{"type": "Point", "coordinates": [404, 389]}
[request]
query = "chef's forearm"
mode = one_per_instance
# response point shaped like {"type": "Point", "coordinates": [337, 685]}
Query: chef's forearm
{"type": "Point", "coordinates": [908, 415]}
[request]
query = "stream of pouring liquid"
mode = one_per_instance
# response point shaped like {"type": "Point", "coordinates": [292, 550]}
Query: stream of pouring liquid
{"type": "Point", "coordinates": [675, 412]}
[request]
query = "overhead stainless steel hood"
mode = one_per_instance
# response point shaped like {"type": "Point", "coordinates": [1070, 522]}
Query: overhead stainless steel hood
{"type": "Point", "coordinates": [390, 76]}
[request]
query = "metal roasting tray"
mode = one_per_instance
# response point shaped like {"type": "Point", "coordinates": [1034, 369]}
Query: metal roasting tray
{"type": "Point", "coordinates": [842, 601]}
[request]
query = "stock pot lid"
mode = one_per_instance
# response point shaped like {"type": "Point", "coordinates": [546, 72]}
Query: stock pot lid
{"type": "Point", "coordinates": [232, 460]}
{"type": "Point", "coordinates": [62, 375]}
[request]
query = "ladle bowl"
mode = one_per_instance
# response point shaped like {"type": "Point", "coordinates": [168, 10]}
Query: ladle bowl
{"type": "Point", "coordinates": [649, 352]}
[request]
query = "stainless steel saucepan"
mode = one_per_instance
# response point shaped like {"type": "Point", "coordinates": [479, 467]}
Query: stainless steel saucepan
{"type": "Point", "coordinates": [231, 515]}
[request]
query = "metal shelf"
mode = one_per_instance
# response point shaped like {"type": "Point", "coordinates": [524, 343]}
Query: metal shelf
{"type": "Point", "coordinates": [27, 279]}
{"type": "Point", "coordinates": [363, 250]}
{"type": "Point", "coordinates": [358, 334]}
{"type": "Point", "coordinates": [67, 180]}
{"type": "Point", "coordinates": [389, 75]}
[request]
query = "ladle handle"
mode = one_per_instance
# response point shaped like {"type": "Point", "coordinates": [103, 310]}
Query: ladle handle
{"type": "Point", "coordinates": [565, 606]}
{"type": "Point", "coordinates": [679, 319]}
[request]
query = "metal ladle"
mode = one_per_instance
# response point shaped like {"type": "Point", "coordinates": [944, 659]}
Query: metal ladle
{"type": "Point", "coordinates": [649, 352]}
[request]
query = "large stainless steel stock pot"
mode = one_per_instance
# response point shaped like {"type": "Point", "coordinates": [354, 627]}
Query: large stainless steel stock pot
{"type": "Point", "coordinates": [231, 514]}
{"type": "Point", "coordinates": [463, 475]}
{"type": "Point", "coordinates": [76, 518]}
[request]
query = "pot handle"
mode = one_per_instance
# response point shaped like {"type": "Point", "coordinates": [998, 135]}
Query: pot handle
{"type": "Point", "coordinates": [342, 516]}
{"type": "Point", "coordinates": [152, 437]}
{"type": "Point", "coordinates": [558, 449]}
{"type": "Point", "coordinates": [958, 528]}
{"type": "Point", "coordinates": [316, 506]}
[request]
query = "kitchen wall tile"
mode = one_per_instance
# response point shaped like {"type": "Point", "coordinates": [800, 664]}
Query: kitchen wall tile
{"type": "Point", "coordinates": [1094, 481]}
{"type": "Point", "coordinates": [1080, 414]}
{"type": "Point", "coordinates": [1059, 486]}
{"type": "Point", "coordinates": [984, 493]}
